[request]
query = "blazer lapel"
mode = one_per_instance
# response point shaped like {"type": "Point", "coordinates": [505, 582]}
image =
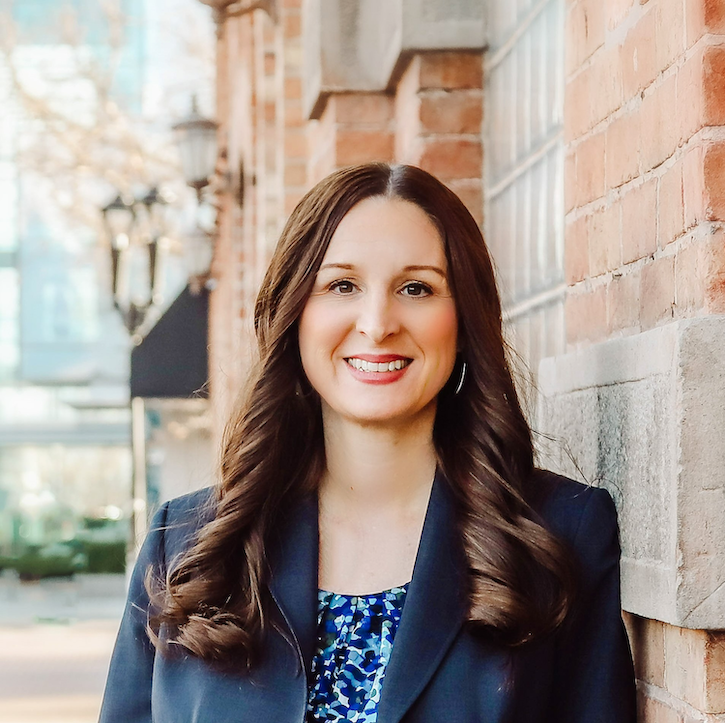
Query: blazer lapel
{"type": "Point", "coordinates": [293, 580]}
{"type": "Point", "coordinates": [434, 610]}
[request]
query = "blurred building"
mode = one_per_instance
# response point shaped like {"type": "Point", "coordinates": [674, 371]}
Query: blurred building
{"type": "Point", "coordinates": [587, 138]}
{"type": "Point", "coordinates": [65, 422]}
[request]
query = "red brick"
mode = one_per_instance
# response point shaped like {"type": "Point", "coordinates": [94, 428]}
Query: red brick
{"type": "Point", "coordinates": [714, 86]}
{"type": "Point", "coordinates": [453, 69]}
{"type": "Point", "coordinates": [669, 32]}
{"type": "Point", "coordinates": [578, 111]}
{"type": "Point", "coordinates": [292, 88]}
{"type": "Point", "coordinates": [270, 111]}
{"type": "Point", "coordinates": [714, 260]}
{"type": "Point", "coordinates": [363, 108]}
{"type": "Point", "coordinates": [295, 174]}
{"type": "Point", "coordinates": [320, 137]}
{"type": "Point", "coordinates": [321, 166]}
{"type": "Point", "coordinates": [657, 292]}
{"type": "Point", "coordinates": [714, 181]}
{"type": "Point", "coordinates": [471, 193]}
{"type": "Point", "coordinates": [358, 146]}
{"type": "Point", "coordinates": [292, 24]}
{"type": "Point", "coordinates": [293, 113]}
{"type": "Point", "coordinates": [650, 710]}
{"type": "Point", "coordinates": [617, 10]}
{"type": "Point", "coordinates": [295, 143]}
{"type": "Point", "coordinates": [269, 63]}
{"type": "Point", "coordinates": [291, 199]}
{"type": "Point", "coordinates": [639, 57]}
{"type": "Point", "coordinates": [576, 250]}
{"type": "Point", "coordinates": [639, 222]}
{"type": "Point", "coordinates": [586, 315]}
{"type": "Point", "coordinates": [459, 111]}
{"type": "Point", "coordinates": [623, 143]}
{"type": "Point", "coordinates": [693, 187]}
{"type": "Point", "coordinates": [690, 96]}
{"type": "Point", "coordinates": [607, 86]}
{"type": "Point", "coordinates": [269, 30]}
{"type": "Point", "coordinates": [647, 640]}
{"type": "Point", "coordinates": [704, 16]}
{"type": "Point", "coordinates": [585, 31]}
{"type": "Point", "coordinates": [452, 158]}
{"type": "Point", "coordinates": [689, 280]}
{"type": "Point", "coordinates": [605, 240]}
{"type": "Point", "coordinates": [715, 671]}
{"type": "Point", "coordinates": [659, 124]}
{"type": "Point", "coordinates": [623, 308]}
{"type": "Point", "coordinates": [570, 185]}
{"type": "Point", "coordinates": [670, 205]}
{"type": "Point", "coordinates": [590, 169]}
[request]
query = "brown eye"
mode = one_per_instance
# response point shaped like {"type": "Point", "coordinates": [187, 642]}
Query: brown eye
{"type": "Point", "coordinates": [416, 289]}
{"type": "Point", "coordinates": [343, 286]}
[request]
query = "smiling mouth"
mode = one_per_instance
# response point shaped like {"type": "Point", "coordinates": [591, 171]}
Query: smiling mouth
{"type": "Point", "coordinates": [366, 366]}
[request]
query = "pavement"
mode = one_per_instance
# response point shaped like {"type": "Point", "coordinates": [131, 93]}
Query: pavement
{"type": "Point", "coordinates": [56, 638]}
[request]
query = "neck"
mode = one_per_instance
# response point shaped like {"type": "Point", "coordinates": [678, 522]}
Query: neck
{"type": "Point", "coordinates": [377, 468]}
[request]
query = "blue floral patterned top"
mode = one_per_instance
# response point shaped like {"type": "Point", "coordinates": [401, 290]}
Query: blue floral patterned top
{"type": "Point", "coordinates": [354, 641]}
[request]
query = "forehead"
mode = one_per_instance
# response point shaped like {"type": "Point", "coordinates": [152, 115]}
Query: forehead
{"type": "Point", "coordinates": [383, 229]}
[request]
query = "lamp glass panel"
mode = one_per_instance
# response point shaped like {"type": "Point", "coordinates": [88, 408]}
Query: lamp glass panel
{"type": "Point", "coordinates": [198, 150]}
{"type": "Point", "coordinates": [198, 253]}
{"type": "Point", "coordinates": [119, 222]}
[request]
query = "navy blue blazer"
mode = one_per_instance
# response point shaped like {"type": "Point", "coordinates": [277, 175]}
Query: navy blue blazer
{"type": "Point", "coordinates": [438, 672]}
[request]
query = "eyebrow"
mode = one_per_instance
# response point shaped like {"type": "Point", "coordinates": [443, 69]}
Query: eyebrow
{"type": "Point", "coordinates": [421, 267]}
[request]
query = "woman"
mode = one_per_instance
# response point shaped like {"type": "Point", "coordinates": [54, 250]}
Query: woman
{"type": "Point", "coordinates": [380, 546]}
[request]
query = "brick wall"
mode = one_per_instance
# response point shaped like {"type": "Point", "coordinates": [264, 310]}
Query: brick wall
{"type": "Point", "coordinates": [645, 189]}
{"type": "Point", "coordinates": [645, 244]}
{"type": "Point", "coordinates": [431, 118]}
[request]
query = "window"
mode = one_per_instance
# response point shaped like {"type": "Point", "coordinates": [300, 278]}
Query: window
{"type": "Point", "coordinates": [523, 176]}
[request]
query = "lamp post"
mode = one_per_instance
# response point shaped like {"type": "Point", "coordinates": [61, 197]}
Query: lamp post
{"type": "Point", "coordinates": [132, 224]}
{"type": "Point", "coordinates": [155, 205]}
{"type": "Point", "coordinates": [196, 137]}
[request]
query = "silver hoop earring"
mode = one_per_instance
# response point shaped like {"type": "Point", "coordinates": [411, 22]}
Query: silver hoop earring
{"type": "Point", "coordinates": [459, 386]}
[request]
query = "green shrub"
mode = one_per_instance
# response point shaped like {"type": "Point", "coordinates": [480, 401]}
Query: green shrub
{"type": "Point", "coordinates": [58, 560]}
{"type": "Point", "coordinates": [105, 556]}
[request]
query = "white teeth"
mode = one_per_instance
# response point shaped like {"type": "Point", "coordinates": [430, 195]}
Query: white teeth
{"type": "Point", "coordinates": [366, 366]}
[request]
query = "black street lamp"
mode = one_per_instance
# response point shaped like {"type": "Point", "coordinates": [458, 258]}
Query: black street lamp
{"type": "Point", "coordinates": [122, 222]}
{"type": "Point", "coordinates": [155, 205]}
{"type": "Point", "coordinates": [196, 137]}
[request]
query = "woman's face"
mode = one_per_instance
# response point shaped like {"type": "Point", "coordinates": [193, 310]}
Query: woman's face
{"type": "Point", "coordinates": [378, 334]}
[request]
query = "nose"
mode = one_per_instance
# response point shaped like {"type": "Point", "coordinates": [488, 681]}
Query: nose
{"type": "Point", "coordinates": [377, 318]}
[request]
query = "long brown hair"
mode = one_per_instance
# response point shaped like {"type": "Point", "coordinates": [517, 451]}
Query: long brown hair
{"type": "Point", "coordinates": [519, 573]}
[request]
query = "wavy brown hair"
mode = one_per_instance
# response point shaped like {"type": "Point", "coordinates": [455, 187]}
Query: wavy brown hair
{"type": "Point", "coordinates": [214, 602]}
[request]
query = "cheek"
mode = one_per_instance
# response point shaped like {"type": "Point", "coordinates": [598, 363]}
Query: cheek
{"type": "Point", "coordinates": [320, 330]}
{"type": "Point", "coordinates": [441, 330]}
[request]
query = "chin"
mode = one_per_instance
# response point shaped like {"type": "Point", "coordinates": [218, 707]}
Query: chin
{"type": "Point", "coordinates": [384, 416]}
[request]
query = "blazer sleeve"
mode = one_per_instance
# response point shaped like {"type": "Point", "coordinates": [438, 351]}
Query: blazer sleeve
{"type": "Point", "coordinates": [127, 698]}
{"type": "Point", "coordinates": [594, 676]}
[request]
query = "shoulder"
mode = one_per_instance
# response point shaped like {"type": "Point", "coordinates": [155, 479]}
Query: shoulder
{"type": "Point", "coordinates": [197, 505]}
{"type": "Point", "coordinates": [177, 522]}
{"type": "Point", "coordinates": [582, 516]}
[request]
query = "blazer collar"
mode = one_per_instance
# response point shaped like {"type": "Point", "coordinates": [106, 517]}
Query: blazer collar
{"type": "Point", "coordinates": [435, 605]}
{"type": "Point", "coordinates": [293, 580]}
